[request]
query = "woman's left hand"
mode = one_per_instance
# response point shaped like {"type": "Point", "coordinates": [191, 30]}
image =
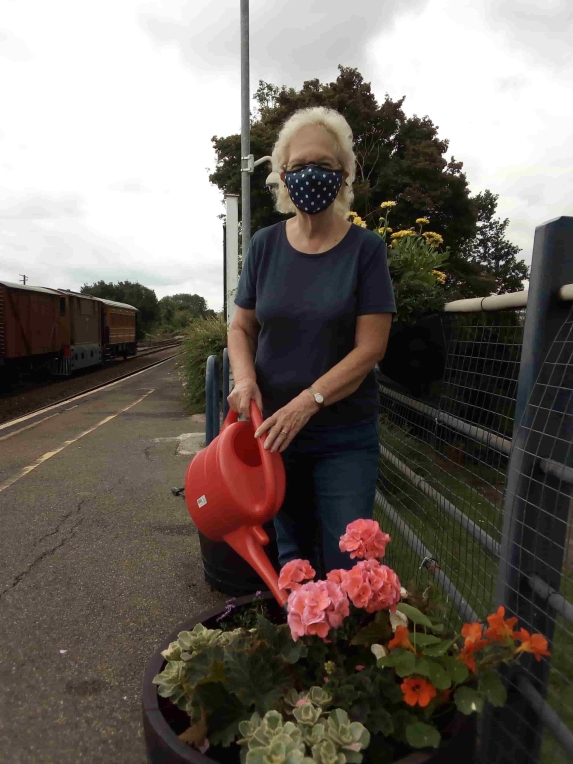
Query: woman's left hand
{"type": "Point", "coordinates": [292, 418]}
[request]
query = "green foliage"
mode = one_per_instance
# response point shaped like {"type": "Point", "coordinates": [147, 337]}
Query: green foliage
{"type": "Point", "coordinates": [398, 157]}
{"type": "Point", "coordinates": [203, 337]}
{"type": "Point", "coordinates": [490, 250]}
{"type": "Point", "coordinates": [421, 735]}
{"type": "Point", "coordinates": [177, 311]}
{"type": "Point", "coordinates": [333, 740]}
{"type": "Point", "coordinates": [141, 297]}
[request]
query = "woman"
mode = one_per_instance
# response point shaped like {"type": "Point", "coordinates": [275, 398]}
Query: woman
{"type": "Point", "coordinates": [315, 304]}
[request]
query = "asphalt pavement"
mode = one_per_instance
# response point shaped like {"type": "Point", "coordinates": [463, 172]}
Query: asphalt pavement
{"type": "Point", "coordinates": [99, 562]}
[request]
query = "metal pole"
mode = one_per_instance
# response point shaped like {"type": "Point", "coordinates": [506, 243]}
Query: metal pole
{"type": "Point", "coordinates": [225, 270]}
{"type": "Point", "coordinates": [246, 159]}
{"type": "Point", "coordinates": [232, 252]}
{"type": "Point", "coordinates": [226, 390]}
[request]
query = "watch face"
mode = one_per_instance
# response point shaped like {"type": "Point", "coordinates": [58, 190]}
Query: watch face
{"type": "Point", "coordinates": [319, 398]}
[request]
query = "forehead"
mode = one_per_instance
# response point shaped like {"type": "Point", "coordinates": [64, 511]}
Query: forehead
{"type": "Point", "coordinates": [311, 143]}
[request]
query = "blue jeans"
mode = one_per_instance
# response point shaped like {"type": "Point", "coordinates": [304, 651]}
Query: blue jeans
{"type": "Point", "coordinates": [330, 481]}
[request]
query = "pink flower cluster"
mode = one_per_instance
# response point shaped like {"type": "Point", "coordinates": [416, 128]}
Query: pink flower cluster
{"type": "Point", "coordinates": [364, 539]}
{"type": "Point", "coordinates": [315, 608]}
{"type": "Point", "coordinates": [369, 585]}
{"type": "Point", "coordinates": [294, 573]}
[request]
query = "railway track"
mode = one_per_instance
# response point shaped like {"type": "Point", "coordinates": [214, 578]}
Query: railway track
{"type": "Point", "coordinates": [33, 401]}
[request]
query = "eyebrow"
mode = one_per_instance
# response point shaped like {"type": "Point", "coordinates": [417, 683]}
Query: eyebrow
{"type": "Point", "coordinates": [320, 159]}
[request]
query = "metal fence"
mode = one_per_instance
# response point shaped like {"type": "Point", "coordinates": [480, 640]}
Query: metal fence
{"type": "Point", "coordinates": [475, 485]}
{"type": "Point", "coordinates": [476, 477]}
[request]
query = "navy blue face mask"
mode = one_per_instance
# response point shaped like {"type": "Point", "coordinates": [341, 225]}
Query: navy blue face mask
{"type": "Point", "coordinates": [313, 189]}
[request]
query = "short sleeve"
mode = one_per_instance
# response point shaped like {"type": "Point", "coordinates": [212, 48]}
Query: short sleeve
{"type": "Point", "coordinates": [246, 296]}
{"type": "Point", "coordinates": [374, 292]}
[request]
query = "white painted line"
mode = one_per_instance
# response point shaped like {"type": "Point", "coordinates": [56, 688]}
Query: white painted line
{"type": "Point", "coordinates": [49, 454]}
{"type": "Point", "coordinates": [83, 395]}
{"type": "Point", "coordinates": [29, 426]}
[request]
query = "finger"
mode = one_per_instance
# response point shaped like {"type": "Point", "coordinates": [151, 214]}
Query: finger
{"type": "Point", "coordinates": [266, 425]}
{"type": "Point", "coordinates": [274, 438]}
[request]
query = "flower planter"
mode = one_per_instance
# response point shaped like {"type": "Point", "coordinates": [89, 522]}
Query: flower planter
{"type": "Point", "coordinates": [163, 721]}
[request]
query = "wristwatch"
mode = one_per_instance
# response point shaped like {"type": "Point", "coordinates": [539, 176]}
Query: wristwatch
{"type": "Point", "coordinates": [317, 396]}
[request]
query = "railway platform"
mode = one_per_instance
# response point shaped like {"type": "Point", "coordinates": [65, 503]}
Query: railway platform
{"type": "Point", "coordinates": [99, 562]}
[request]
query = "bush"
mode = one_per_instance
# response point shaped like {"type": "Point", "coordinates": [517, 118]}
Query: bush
{"type": "Point", "coordinates": [203, 337]}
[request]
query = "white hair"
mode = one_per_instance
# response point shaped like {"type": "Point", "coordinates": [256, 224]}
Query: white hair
{"type": "Point", "coordinates": [339, 132]}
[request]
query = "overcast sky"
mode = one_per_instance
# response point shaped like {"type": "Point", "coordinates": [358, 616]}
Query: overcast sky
{"type": "Point", "coordinates": [108, 108]}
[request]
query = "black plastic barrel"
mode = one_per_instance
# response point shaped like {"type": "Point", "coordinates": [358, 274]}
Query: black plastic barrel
{"type": "Point", "coordinates": [228, 572]}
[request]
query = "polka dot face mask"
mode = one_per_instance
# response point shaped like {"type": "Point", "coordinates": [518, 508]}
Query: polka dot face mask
{"type": "Point", "coordinates": [313, 189]}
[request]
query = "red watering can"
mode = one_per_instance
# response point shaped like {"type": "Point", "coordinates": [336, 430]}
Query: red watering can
{"type": "Point", "coordinates": [234, 486]}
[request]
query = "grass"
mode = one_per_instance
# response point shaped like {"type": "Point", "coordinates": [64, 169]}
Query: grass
{"type": "Point", "coordinates": [475, 488]}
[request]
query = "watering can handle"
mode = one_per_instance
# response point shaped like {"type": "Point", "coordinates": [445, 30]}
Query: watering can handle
{"type": "Point", "coordinates": [267, 509]}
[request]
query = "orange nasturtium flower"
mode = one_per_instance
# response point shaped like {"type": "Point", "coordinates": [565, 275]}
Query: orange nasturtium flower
{"type": "Point", "coordinates": [532, 643]}
{"type": "Point", "coordinates": [401, 639]}
{"type": "Point", "coordinates": [417, 690]}
{"type": "Point", "coordinates": [498, 628]}
{"type": "Point", "coordinates": [472, 633]}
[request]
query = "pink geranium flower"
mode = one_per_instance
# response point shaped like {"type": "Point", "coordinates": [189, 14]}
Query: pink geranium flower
{"type": "Point", "coordinates": [364, 539]}
{"type": "Point", "coordinates": [315, 608]}
{"type": "Point", "coordinates": [372, 586]}
{"type": "Point", "coordinates": [294, 573]}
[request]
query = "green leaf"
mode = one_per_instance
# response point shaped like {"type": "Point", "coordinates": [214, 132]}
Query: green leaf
{"type": "Point", "coordinates": [380, 722]}
{"type": "Point", "coordinates": [417, 617]}
{"type": "Point", "coordinates": [378, 630]}
{"type": "Point", "coordinates": [405, 664]}
{"type": "Point", "coordinates": [420, 735]}
{"type": "Point", "coordinates": [439, 677]}
{"type": "Point", "coordinates": [458, 671]}
{"type": "Point", "coordinates": [423, 640]}
{"type": "Point", "coordinates": [492, 687]}
{"type": "Point", "coordinates": [468, 700]}
{"type": "Point", "coordinates": [423, 667]}
{"type": "Point", "coordinates": [436, 650]}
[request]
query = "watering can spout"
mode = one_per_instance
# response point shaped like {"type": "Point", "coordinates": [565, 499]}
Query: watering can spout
{"type": "Point", "coordinates": [248, 542]}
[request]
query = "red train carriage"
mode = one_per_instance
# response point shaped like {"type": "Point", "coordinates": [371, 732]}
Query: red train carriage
{"type": "Point", "coordinates": [119, 327]}
{"type": "Point", "coordinates": [61, 330]}
{"type": "Point", "coordinates": [32, 327]}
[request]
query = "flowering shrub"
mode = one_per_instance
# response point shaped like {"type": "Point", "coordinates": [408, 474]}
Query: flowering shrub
{"type": "Point", "coordinates": [360, 660]}
{"type": "Point", "coordinates": [414, 259]}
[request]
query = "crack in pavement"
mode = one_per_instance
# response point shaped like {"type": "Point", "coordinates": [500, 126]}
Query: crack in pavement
{"type": "Point", "coordinates": [48, 552]}
{"type": "Point", "coordinates": [146, 452]}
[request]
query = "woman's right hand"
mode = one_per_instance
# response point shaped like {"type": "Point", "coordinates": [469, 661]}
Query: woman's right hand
{"type": "Point", "coordinates": [241, 395]}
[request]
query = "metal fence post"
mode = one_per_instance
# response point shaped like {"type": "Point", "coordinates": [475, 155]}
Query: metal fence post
{"type": "Point", "coordinates": [225, 383]}
{"type": "Point", "coordinates": [212, 399]}
{"type": "Point", "coordinates": [536, 504]}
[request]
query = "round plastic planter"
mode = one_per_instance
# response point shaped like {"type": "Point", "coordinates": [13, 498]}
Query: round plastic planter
{"type": "Point", "coordinates": [163, 721]}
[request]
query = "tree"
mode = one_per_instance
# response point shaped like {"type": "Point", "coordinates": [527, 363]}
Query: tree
{"type": "Point", "coordinates": [398, 158]}
{"type": "Point", "coordinates": [490, 249]}
{"type": "Point", "coordinates": [131, 293]}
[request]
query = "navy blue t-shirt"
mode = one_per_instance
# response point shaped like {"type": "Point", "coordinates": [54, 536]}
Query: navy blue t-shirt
{"type": "Point", "coordinates": [307, 306]}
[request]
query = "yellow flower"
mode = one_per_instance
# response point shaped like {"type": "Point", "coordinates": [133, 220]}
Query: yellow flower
{"type": "Point", "coordinates": [386, 229]}
{"type": "Point", "coordinates": [401, 234]}
{"type": "Point", "coordinates": [440, 277]}
{"type": "Point", "coordinates": [387, 205]}
{"type": "Point", "coordinates": [354, 214]}
{"type": "Point", "coordinates": [358, 221]}
{"type": "Point", "coordinates": [422, 221]}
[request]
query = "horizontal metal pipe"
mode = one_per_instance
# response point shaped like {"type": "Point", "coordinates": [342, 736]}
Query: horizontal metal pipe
{"type": "Point", "coordinates": [554, 599]}
{"type": "Point", "coordinates": [560, 471]}
{"type": "Point", "coordinates": [548, 716]}
{"type": "Point", "coordinates": [474, 530]}
{"type": "Point", "coordinates": [510, 301]}
{"type": "Point", "coordinates": [416, 544]}
{"type": "Point", "coordinates": [486, 437]}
